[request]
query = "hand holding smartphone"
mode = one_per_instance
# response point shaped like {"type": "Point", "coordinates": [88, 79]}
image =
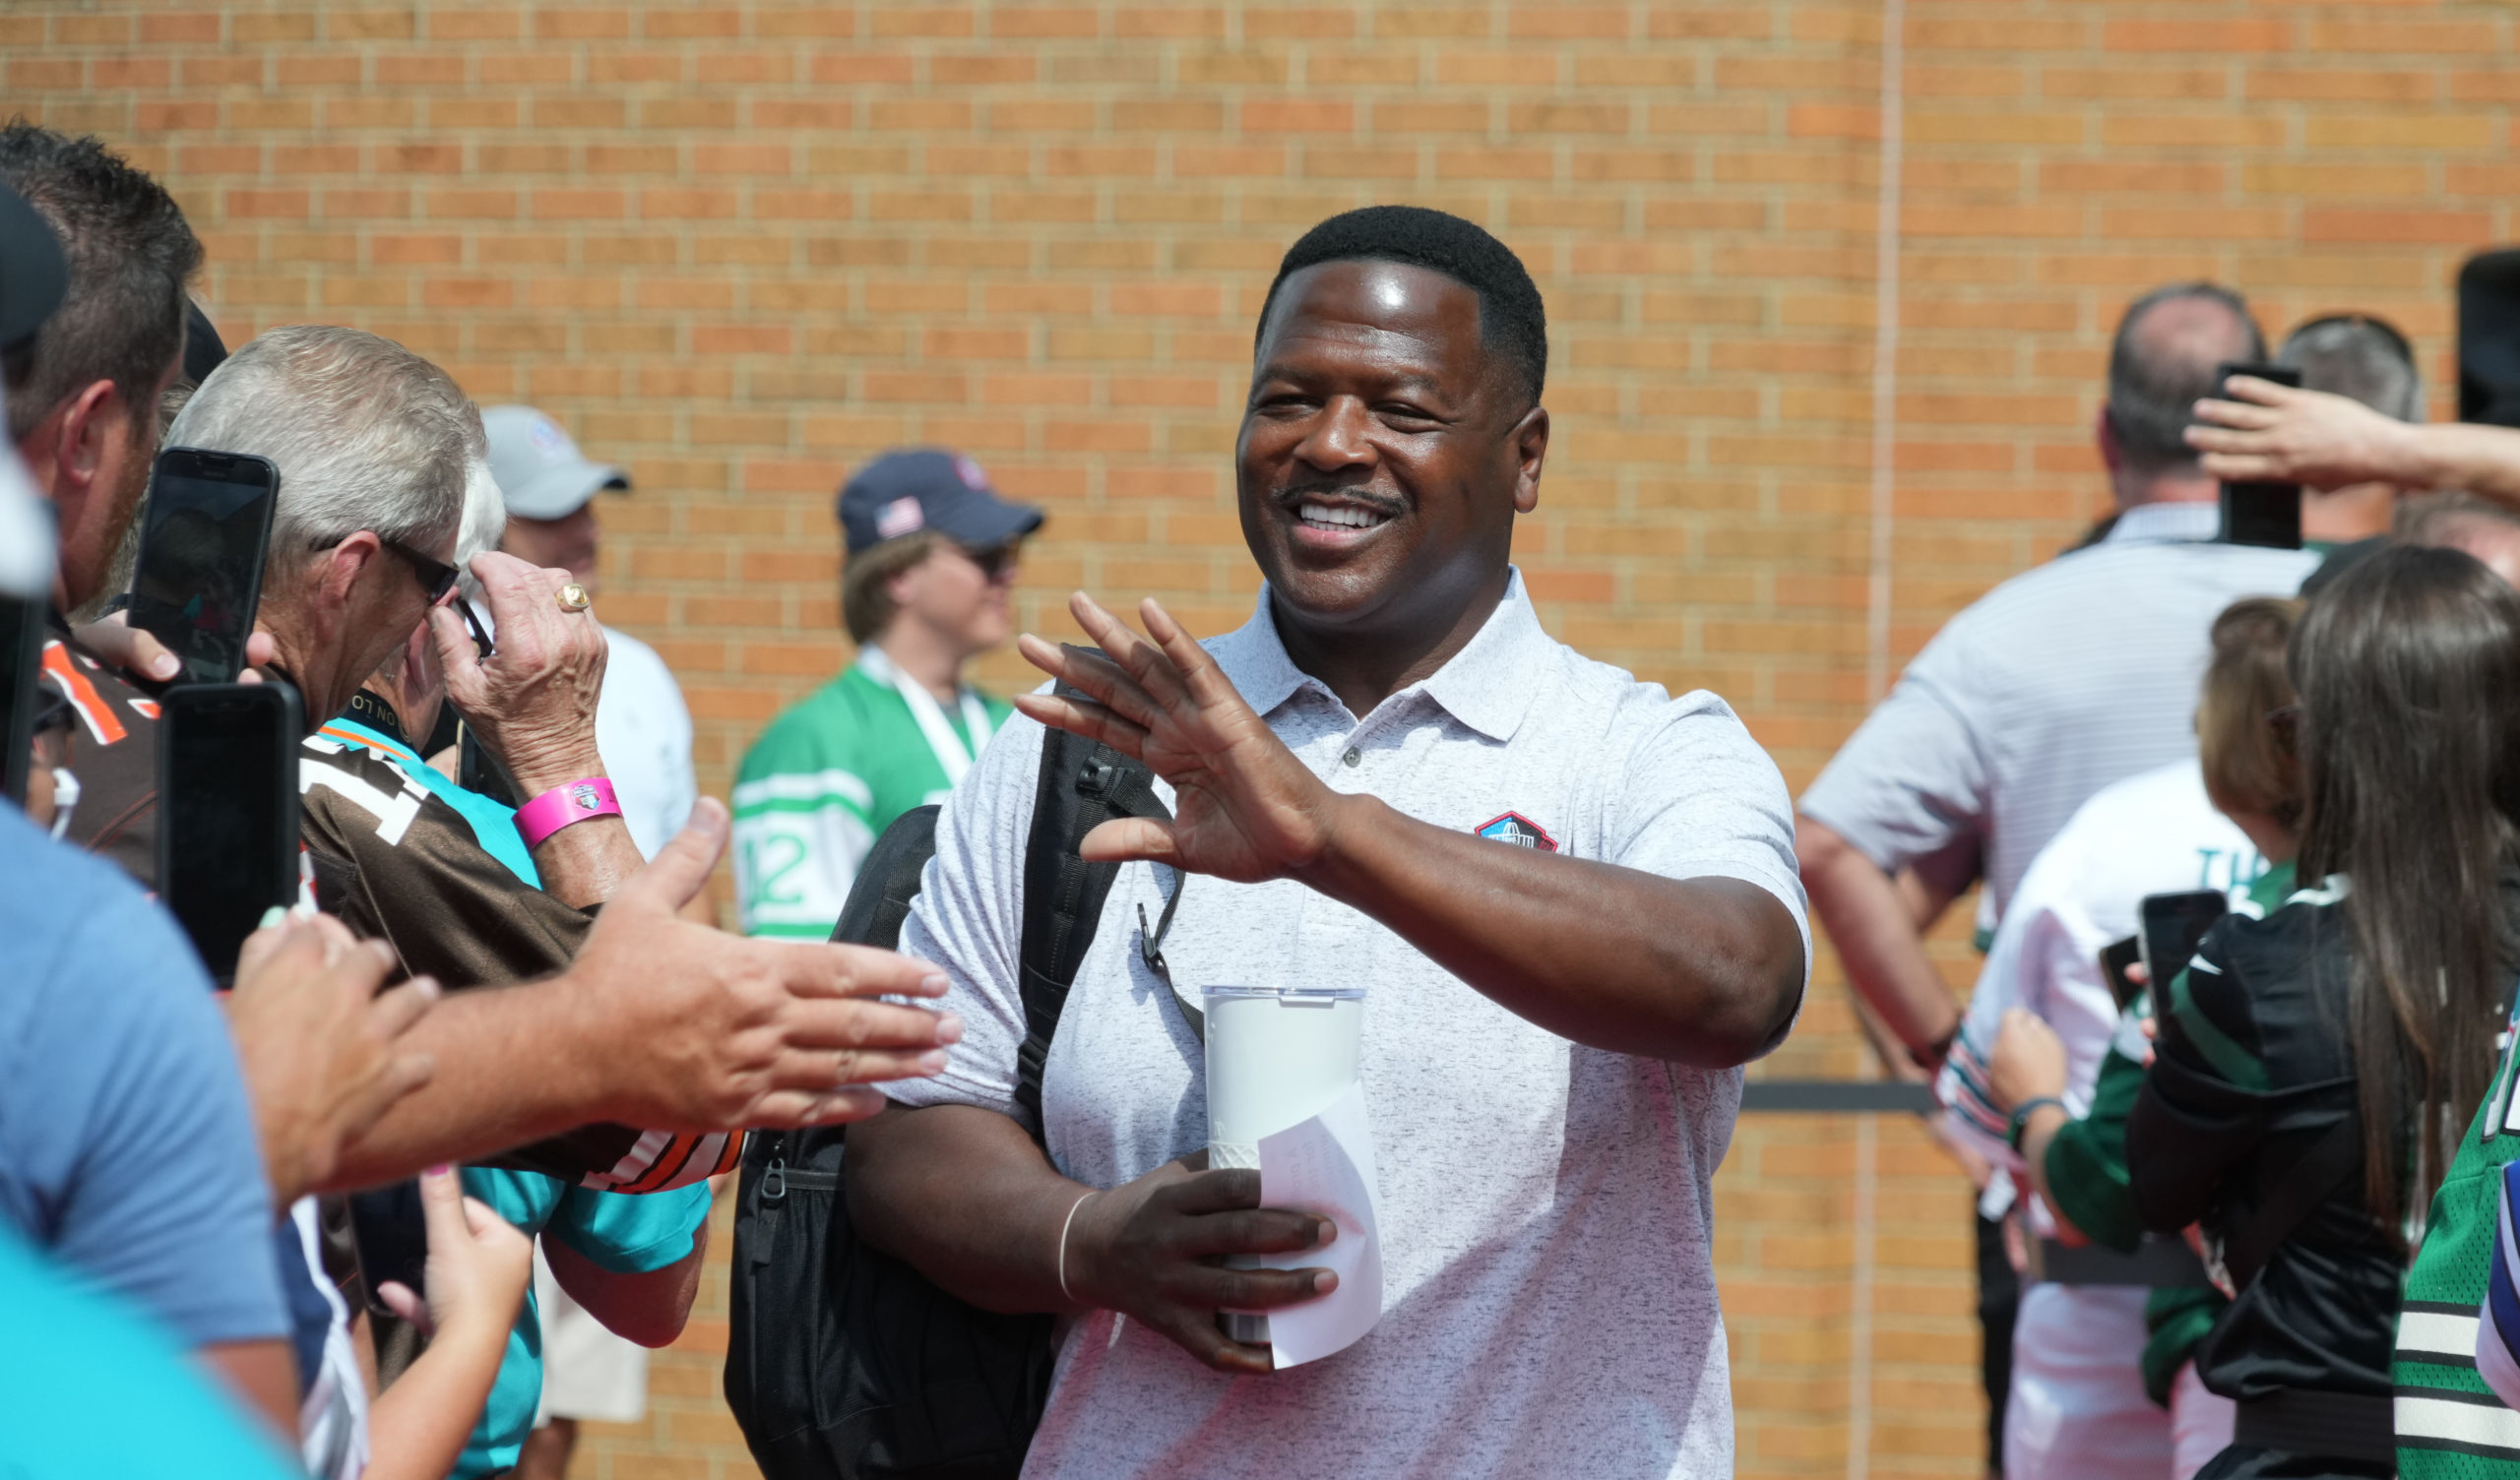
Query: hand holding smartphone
{"type": "Point", "coordinates": [2173, 925]}
{"type": "Point", "coordinates": [199, 578]}
{"type": "Point", "coordinates": [2261, 513]}
{"type": "Point", "coordinates": [2114, 958]}
{"type": "Point", "coordinates": [228, 812]}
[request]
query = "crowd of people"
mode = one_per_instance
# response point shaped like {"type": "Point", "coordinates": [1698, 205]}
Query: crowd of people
{"type": "Point", "coordinates": [410, 1197]}
{"type": "Point", "coordinates": [2229, 1227]}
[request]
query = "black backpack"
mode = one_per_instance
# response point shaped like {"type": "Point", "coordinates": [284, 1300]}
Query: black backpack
{"type": "Point", "coordinates": [844, 1363]}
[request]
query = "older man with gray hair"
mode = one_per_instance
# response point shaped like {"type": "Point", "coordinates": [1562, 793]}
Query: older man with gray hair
{"type": "Point", "coordinates": [643, 1021]}
{"type": "Point", "coordinates": [2363, 358]}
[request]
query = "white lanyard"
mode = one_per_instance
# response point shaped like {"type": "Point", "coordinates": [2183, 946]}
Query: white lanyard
{"type": "Point", "coordinates": [948, 746]}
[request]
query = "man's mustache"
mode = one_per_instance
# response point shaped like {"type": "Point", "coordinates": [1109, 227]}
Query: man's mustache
{"type": "Point", "coordinates": [1383, 504]}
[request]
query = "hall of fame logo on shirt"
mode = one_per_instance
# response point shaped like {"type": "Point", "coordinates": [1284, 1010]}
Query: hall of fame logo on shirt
{"type": "Point", "coordinates": [1520, 830]}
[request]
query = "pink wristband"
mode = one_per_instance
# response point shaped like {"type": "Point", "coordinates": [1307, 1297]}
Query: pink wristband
{"type": "Point", "coordinates": [560, 806]}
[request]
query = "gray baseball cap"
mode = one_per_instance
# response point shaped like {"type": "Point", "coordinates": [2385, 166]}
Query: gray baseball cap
{"type": "Point", "coordinates": [541, 474]}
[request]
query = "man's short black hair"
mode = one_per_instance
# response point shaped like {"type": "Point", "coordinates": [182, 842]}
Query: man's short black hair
{"type": "Point", "coordinates": [130, 253]}
{"type": "Point", "coordinates": [1510, 319]}
{"type": "Point", "coordinates": [2156, 378]}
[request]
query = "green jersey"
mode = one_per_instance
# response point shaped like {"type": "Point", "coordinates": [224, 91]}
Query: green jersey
{"type": "Point", "coordinates": [2087, 1177]}
{"type": "Point", "coordinates": [829, 776]}
{"type": "Point", "coordinates": [2450, 1424]}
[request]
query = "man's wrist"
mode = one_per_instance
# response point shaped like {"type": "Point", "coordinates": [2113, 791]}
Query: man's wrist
{"type": "Point", "coordinates": [2415, 458]}
{"type": "Point", "coordinates": [591, 1075]}
{"type": "Point", "coordinates": [537, 775]}
{"type": "Point", "coordinates": [1335, 869]}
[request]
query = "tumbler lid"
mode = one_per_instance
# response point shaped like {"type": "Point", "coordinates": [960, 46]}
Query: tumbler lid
{"type": "Point", "coordinates": [1290, 996]}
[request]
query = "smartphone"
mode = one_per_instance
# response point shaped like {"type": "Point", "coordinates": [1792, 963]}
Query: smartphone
{"type": "Point", "coordinates": [2172, 925]}
{"type": "Point", "coordinates": [22, 639]}
{"type": "Point", "coordinates": [226, 811]}
{"type": "Point", "coordinates": [2261, 513]}
{"type": "Point", "coordinates": [391, 1232]}
{"type": "Point", "coordinates": [2114, 958]}
{"type": "Point", "coordinates": [200, 572]}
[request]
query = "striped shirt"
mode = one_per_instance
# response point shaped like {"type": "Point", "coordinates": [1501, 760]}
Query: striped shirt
{"type": "Point", "coordinates": [2052, 685]}
{"type": "Point", "coordinates": [2457, 1369]}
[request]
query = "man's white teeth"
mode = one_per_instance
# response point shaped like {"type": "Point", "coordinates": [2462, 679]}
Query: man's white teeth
{"type": "Point", "coordinates": [1340, 517]}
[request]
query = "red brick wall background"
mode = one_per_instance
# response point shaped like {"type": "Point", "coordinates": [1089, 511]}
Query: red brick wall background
{"type": "Point", "coordinates": [740, 245]}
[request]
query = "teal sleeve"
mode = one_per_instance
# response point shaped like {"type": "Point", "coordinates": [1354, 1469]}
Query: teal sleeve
{"type": "Point", "coordinates": [631, 1235]}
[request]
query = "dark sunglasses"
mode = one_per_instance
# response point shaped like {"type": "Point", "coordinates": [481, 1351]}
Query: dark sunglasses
{"type": "Point", "coordinates": [995, 561]}
{"type": "Point", "coordinates": [437, 578]}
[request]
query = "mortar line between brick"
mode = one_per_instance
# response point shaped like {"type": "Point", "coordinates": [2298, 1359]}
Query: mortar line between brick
{"type": "Point", "coordinates": [1890, 99]}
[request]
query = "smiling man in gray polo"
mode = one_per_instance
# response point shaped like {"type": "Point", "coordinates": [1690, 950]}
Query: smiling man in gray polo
{"type": "Point", "coordinates": [1553, 1027]}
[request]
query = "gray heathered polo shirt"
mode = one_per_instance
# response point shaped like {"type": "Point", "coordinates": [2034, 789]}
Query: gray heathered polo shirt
{"type": "Point", "coordinates": [2069, 676]}
{"type": "Point", "coordinates": [1550, 1303]}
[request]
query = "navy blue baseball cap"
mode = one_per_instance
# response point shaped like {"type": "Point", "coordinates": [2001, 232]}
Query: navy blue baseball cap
{"type": "Point", "coordinates": [926, 488]}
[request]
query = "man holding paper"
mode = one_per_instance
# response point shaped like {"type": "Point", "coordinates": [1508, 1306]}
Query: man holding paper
{"type": "Point", "coordinates": [1570, 898]}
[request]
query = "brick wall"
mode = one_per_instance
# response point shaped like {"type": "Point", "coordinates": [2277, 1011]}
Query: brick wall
{"type": "Point", "coordinates": [740, 245]}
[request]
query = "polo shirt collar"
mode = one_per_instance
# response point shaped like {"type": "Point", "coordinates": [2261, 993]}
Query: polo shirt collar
{"type": "Point", "coordinates": [2184, 522]}
{"type": "Point", "coordinates": [1486, 686]}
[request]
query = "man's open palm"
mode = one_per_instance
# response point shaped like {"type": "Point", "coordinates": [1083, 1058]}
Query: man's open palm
{"type": "Point", "coordinates": [1245, 809]}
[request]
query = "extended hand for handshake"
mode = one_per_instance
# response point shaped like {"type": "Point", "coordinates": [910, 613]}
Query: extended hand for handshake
{"type": "Point", "coordinates": [656, 1022]}
{"type": "Point", "coordinates": [681, 1027]}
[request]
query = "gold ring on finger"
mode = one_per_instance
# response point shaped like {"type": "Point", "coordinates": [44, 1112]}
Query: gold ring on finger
{"type": "Point", "coordinates": [574, 597]}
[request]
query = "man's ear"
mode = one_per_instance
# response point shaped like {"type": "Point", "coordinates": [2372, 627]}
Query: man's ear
{"type": "Point", "coordinates": [1530, 449]}
{"type": "Point", "coordinates": [71, 443]}
{"type": "Point", "coordinates": [332, 579]}
{"type": "Point", "coordinates": [2105, 432]}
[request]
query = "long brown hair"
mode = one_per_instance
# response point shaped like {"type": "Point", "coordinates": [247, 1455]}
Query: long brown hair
{"type": "Point", "coordinates": [2408, 669]}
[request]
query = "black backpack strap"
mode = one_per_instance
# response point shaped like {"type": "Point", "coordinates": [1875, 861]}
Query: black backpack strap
{"type": "Point", "coordinates": [879, 898]}
{"type": "Point", "coordinates": [1082, 785]}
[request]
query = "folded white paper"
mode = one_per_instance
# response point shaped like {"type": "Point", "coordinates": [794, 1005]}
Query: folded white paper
{"type": "Point", "coordinates": [1326, 1165]}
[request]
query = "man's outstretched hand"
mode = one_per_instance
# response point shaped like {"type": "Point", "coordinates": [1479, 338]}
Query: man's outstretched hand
{"type": "Point", "coordinates": [694, 1030]}
{"type": "Point", "coordinates": [1245, 808]}
{"type": "Point", "coordinates": [2280, 434]}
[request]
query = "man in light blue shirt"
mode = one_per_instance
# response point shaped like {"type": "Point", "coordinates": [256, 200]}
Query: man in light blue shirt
{"type": "Point", "coordinates": [127, 1146]}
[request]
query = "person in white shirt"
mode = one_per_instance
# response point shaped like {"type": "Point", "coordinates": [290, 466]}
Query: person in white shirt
{"type": "Point", "coordinates": [2079, 1400]}
{"type": "Point", "coordinates": [1569, 895]}
{"type": "Point", "coordinates": [643, 731]}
